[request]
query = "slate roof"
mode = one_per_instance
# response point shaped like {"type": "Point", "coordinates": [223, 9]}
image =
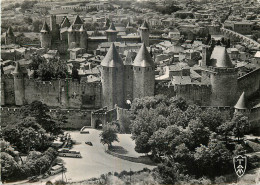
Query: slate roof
{"type": "Point", "coordinates": [241, 103]}
{"type": "Point", "coordinates": [10, 31]}
{"type": "Point", "coordinates": [111, 28]}
{"type": "Point", "coordinates": [45, 27]}
{"type": "Point", "coordinates": [65, 23]}
{"type": "Point", "coordinates": [78, 20]}
{"type": "Point", "coordinates": [143, 58]}
{"type": "Point", "coordinates": [144, 25]}
{"type": "Point", "coordinates": [220, 58]}
{"type": "Point", "coordinates": [112, 58]}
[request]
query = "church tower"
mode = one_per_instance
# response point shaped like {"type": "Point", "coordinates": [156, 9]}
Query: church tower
{"type": "Point", "coordinates": [111, 33]}
{"type": "Point", "coordinates": [144, 32]}
{"type": "Point", "coordinates": [45, 36]}
{"type": "Point", "coordinates": [19, 85]}
{"type": "Point", "coordinates": [112, 78]}
{"type": "Point", "coordinates": [144, 76]}
{"type": "Point", "coordinates": [9, 36]}
{"type": "Point", "coordinates": [223, 78]}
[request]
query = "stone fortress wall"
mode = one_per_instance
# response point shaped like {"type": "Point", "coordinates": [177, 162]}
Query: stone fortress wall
{"type": "Point", "coordinates": [64, 93]}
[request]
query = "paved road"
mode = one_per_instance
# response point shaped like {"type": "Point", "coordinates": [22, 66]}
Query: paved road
{"type": "Point", "coordinates": [95, 161]}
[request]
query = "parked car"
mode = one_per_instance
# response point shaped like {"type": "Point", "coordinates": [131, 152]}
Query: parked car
{"type": "Point", "coordinates": [89, 143]}
{"type": "Point", "coordinates": [84, 132]}
{"type": "Point", "coordinates": [56, 169]}
{"type": "Point", "coordinates": [68, 153]}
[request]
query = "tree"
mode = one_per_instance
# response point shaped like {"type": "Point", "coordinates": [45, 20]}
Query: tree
{"type": "Point", "coordinates": [240, 125]}
{"type": "Point", "coordinates": [39, 111]}
{"type": "Point", "coordinates": [109, 134]}
{"type": "Point", "coordinates": [214, 159]}
{"type": "Point", "coordinates": [9, 167]}
{"type": "Point", "coordinates": [55, 68]}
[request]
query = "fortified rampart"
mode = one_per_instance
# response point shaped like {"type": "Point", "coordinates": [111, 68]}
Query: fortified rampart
{"type": "Point", "coordinates": [76, 118]}
{"type": "Point", "coordinates": [249, 83]}
{"type": "Point", "coordinates": [194, 93]}
{"type": "Point", "coordinates": [64, 93]}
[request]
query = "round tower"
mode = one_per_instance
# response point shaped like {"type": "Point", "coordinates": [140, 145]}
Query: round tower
{"type": "Point", "coordinates": [112, 78]}
{"type": "Point", "coordinates": [111, 33]}
{"type": "Point", "coordinates": [45, 36]}
{"type": "Point", "coordinates": [83, 37]}
{"type": "Point", "coordinates": [19, 93]}
{"type": "Point", "coordinates": [223, 78]}
{"type": "Point", "coordinates": [144, 76]}
{"type": "Point", "coordinates": [9, 36]}
{"type": "Point", "coordinates": [144, 33]}
{"type": "Point", "coordinates": [71, 35]}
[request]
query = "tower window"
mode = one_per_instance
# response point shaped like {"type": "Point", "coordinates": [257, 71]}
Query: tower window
{"type": "Point", "coordinates": [139, 68]}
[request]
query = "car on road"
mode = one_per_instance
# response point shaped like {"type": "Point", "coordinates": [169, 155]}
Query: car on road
{"type": "Point", "coordinates": [89, 143]}
{"type": "Point", "coordinates": [57, 169]}
{"type": "Point", "coordinates": [68, 153]}
{"type": "Point", "coordinates": [84, 132]}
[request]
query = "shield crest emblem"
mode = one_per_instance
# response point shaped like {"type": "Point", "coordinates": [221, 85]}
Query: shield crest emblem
{"type": "Point", "coordinates": [240, 165]}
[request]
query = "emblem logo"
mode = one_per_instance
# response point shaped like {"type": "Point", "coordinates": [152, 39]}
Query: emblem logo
{"type": "Point", "coordinates": [240, 165]}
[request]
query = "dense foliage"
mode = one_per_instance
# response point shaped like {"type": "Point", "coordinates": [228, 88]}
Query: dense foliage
{"type": "Point", "coordinates": [109, 134]}
{"type": "Point", "coordinates": [186, 139]}
{"type": "Point", "coordinates": [36, 163]}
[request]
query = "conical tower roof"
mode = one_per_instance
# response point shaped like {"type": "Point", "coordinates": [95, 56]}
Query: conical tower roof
{"type": "Point", "coordinates": [241, 103]}
{"type": "Point", "coordinates": [71, 29]}
{"type": "Point", "coordinates": [65, 23]}
{"type": "Point", "coordinates": [107, 23]}
{"type": "Point", "coordinates": [144, 25]}
{"type": "Point", "coordinates": [129, 25]}
{"type": "Point", "coordinates": [111, 28]}
{"type": "Point", "coordinates": [17, 68]}
{"type": "Point", "coordinates": [10, 31]}
{"type": "Point", "coordinates": [45, 27]}
{"type": "Point", "coordinates": [112, 58]}
{"type": "Point", "coordinates": [82, 29]}
{"type": "Point", "coordinates": [143, 58]}
{"type": "Point", "coordinates": [129, 58]}
{"type": "Point", "coordinates": [78, 20]}
{"type": "Point", "coordinates": [220, 58]}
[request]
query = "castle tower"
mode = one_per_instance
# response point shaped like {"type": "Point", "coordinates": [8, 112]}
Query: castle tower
{"type": "Point", "coordinates": [45, 36]}
{"type": "Point", "coordinates": [144, 32]}
{"type": "Point", "coordinates": [112, 78]}
{"type": "Point", "coordinates": [241, 104]}
{"type": "Point", "coordinates": [205, 56]}
{"type": "Point", "coordinates": [111, 33]}
{"type": "Point", "coordinates": [128, 75]}
{"type": "Point", "coordinates": [144, 76]}
{"type": "Point", "coordinates": [19, 85]}
{"type": "Point", "coordinates": [9, 36]}
{"type": "Point", "coordinates": [83, 37]}
{"type": "Point", "coordinates": [106, 24]}
{"type": "Point", "coordinates": [223, 78]}
{"type": "Point", "coordinates": [71, 36]}
{"type": "Point", "coordinates": [54, 28]}
{"type": "Point", "coordinates": [129, 28]}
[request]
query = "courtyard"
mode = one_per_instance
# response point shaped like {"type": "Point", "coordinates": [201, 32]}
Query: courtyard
{"type": "Point", "coordinates": [95, 161]}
